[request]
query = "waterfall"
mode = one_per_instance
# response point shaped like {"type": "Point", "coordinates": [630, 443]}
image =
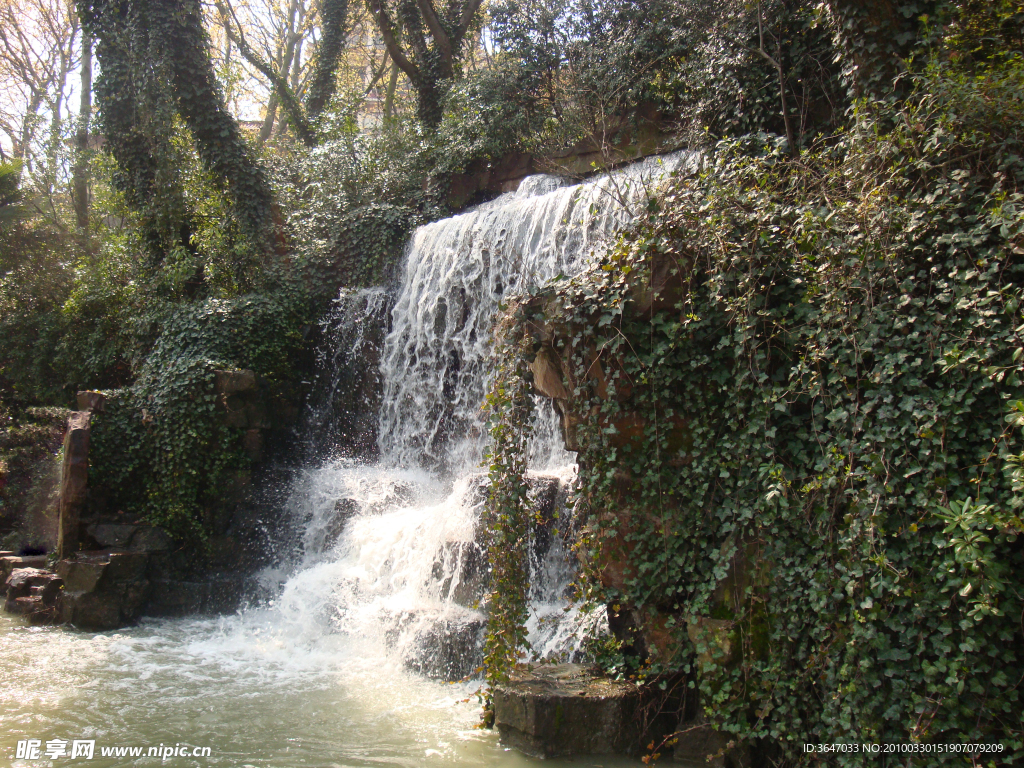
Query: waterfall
{"type": "Point", "coordinates": [390, 550]}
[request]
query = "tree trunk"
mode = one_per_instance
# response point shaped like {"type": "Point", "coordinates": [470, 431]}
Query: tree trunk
{"type": "Point", "coordinates": [80, 172]}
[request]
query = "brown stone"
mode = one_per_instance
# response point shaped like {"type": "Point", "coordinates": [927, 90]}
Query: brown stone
{"type": "Point", "coordinates": [81, 574]}
{"type": "Point", "coordinates": [94, 402]}
{"type": "Point", "coordinates": [562, 709]}
{"type": "Point", "coordinates": [9, 562]}
{"type": "Point", "coordinates": [547, 375]}
{"type": "Point", "coordinates": [74, 479]}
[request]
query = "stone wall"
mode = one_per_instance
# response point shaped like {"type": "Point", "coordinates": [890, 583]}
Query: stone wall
{"type": "Point", "coordinates": [648, 633]}
{"type": "Point", "coordinates": [113, 567]}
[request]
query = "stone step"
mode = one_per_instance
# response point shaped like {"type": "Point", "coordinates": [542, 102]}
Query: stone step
{"type": "Point", "coordinates": [10, 562]}
{"type": "Point", "coordinates": [558, 710]}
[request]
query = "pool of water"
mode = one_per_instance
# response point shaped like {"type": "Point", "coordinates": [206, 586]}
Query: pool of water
{"type": "Point", "coordinates": [235, 684]}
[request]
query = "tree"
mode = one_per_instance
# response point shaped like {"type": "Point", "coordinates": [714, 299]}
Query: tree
{"type": "Point", "coordinates": [39, 49]}
{"type": "Point", "coordinates": [154, 67]}
{"type": "Point", "coordinates": [281, 61]}
{"type": "Point", "coordinates": [426, 44]}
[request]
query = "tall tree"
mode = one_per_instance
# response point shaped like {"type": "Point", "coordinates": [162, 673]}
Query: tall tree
{"type": "Point", "coordinates": [281, 63]}
{"type": "Point", "coordinates": [155, 64]}
{"type": "Point", "coordinates": [425, 42]}
{"type": "Point", "coordinates": [80, 172]}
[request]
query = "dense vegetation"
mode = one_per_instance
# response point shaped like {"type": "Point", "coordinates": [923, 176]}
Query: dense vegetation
{"type": "Point", "coordinates": [833, 389]}
{"type": "Point", "coordinates": [813, 434]}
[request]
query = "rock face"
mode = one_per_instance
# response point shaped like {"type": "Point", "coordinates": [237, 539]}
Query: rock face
{"type": "Point", "coordinates": [73, 481]}
{"type": "Point", "coordinates": [34, 593]}
{"type": "Point", "coordinates": [561, 709]}
{"type": "Point", "coordinates": [103, 590]}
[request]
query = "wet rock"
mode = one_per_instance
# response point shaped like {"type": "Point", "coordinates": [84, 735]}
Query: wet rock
{"type": "Point", "coordinates": [102, 590]}
{"type": "Point", "coordinates": [212, 596]}
{"type": "Point", "coordinates": [9, 562]}
{"type": "Point", "coordinates": [562, 709]}
{"type": "Point", "coordinates": [33, 592]}
{"type": "Point", "coordinates": [445, 646]}
{"type": "Point", "coordinates": [461, 569]}
{"type": "Point", "coordinates": [448, 650]}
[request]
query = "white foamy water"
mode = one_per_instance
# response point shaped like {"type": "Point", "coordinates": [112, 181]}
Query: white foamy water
{"type": "Point", "coordinates": [386, 597]}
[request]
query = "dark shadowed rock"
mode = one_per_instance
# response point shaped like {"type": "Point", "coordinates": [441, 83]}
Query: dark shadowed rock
{"type": "Point", "coordinates": [111, 535]}
{"type": "Point", "coordinates": [73, 481]}
{"type": "Point", "coordinates": [562, 709]}
{"type": "Point", "coordinates": [102, 590]}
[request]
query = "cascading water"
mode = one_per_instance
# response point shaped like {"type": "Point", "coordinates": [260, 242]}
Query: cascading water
{"type": "Point", "coordinates": [384, 593]}
{"type": "Point", "coordinates": [398, 538]}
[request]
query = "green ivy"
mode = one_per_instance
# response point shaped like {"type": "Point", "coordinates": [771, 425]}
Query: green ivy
{"type": "Point", "coordinates": [508, 509]}
{"type": "Point", "coordinates": [819, 389]}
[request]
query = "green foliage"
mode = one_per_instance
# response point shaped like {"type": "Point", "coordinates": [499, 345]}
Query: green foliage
{"type": "Point", "coordinates": [508, 510]}
{"type": "Point", "coordinates": [10, 195]}
{"type": "Point", "coordinates": [161, 450]}
{"type": "Point", "coordinates": [572, 69]}
{"type": "Point", "coordinates": [822, 391]}
{"type": "Point", "coordinates": [30, 439]}
{"type": "Point", "coordinates": [155, 67]}
{"type": "Point", "coordinates": [355, 198]}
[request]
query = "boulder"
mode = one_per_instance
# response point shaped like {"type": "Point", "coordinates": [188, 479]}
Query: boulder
{"type": "Point", "coordinates": [33, 592]}
{"type": "Point", "coordinates": [558, 710]}
{"type": "Point", "coordinates": [103, 589]}
{"type": "Point", "coordinates": [448, 650]}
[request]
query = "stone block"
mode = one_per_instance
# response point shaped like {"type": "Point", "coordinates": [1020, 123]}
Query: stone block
{"type": "Point", "coordinates": [90, 610]}
{"type": "Point", "coordinates": [94, 402]}
{"type": "Point", "coordinates": [126, 567]}
{"type": "Point", "coordinates": [9, 562]}
{"type": "Point", "coordinates": [562, 709]}
{"type": "Point", "coordinates": [81, 574]}
{"type": "Point", "coordinates": [73, 482]}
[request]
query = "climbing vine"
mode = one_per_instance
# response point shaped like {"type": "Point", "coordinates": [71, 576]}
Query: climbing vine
{"type": "Point", "coordinates": [795, 391]}
{"type": "Point", "coordinates": [508, 508]}
{"type": "Point", "coordinates": [162, 449]}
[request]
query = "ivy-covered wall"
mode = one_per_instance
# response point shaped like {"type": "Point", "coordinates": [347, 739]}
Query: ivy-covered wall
{"type": "Point", "coordinates": [796, 393]}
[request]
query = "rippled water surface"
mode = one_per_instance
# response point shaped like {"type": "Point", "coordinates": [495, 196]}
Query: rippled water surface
{"type": "Point", "coordinates": [235, 685]}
